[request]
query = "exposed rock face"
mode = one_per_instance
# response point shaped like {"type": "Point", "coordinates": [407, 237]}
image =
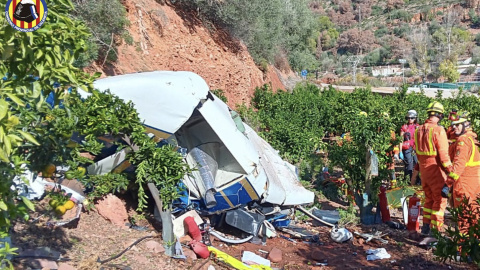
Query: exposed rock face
{"type": "Point", "coordinates": [164, 40]}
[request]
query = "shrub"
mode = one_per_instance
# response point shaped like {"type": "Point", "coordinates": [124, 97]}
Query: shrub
{"type": "Point", "coordinates": [220, 94]}
{"type": "Point", "coordinates": [474, 18]}
{"type": "Point", "coordinates": [377, 10]}
{"type": "Point", "coordinates": [401, 15]}
{"type": "Point", "coordinates": [303, 60]}
{"type": "Point", "coordinates": [452, 240]}
{"type": "Point", "coordinates": [348, 216]}
{"type": "Point", "coordinates": [107, 21]}
{"type": "Point", "coordinates": [401, 31]}
{"type": "Point", "coordinates": [284, 25]}
{"type": "Point", "coordinates": [477, 39]}
{"type": "Point", "coordinates": [90, 55]}
{"type": "Point", "coordinates": [470, 70]}
{"type": "Point", "coordinates": [380, 32]}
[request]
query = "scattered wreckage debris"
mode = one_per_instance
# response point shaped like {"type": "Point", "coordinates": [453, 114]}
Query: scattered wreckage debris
{"type": "Point", "coordinates": [377, 254]}
{"type": "Point", "coordinates": [315, 217]}
{"type": "Point", "coordinates": [241, 187]}
{"type": "Point", "coordinates": [377, 236]}
{"type": "Point", "coordinates": [340, 235]}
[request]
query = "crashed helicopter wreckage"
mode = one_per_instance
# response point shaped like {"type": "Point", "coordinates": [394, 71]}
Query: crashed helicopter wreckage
{"type": "Point", "coordinates": [234, 166]}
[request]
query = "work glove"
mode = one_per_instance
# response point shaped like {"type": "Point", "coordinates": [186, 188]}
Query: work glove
{"type": "Point", "coordinates": [449, 181]}
{"type": "Point", "coordinates": [449, 169]}
{"type": "Point", "coordinates": [445, 191]}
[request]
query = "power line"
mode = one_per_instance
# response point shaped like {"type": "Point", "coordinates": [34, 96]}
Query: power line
{"type": "Point", "coordinates": [354, 59]}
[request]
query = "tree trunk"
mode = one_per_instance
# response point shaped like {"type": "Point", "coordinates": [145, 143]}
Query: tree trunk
{"type": "Point", "coordinates": [367, 217]}
{"type": "Point", "coordinates": [167, 224]}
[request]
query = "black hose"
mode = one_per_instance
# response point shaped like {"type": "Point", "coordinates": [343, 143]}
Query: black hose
{"type": "Point", "coordinates": [41, 257]}
{"type": "Point", "coordinates": [125, 250]}
{"type": "Point", "coordinates": [118, 266]}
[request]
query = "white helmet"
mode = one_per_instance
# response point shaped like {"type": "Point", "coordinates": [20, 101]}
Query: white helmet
{"type": "Point", "coordinates": [412, 113]}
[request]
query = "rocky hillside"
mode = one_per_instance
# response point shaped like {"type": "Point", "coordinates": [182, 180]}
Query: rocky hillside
{"type": "Point", "coordinates": [167, 39]}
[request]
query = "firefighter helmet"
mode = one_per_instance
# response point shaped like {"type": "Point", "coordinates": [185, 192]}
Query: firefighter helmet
{"type": "Point", "coordinates": [453, 115]}
{"type": "Point", "coordinates": [435, 107]}
{"type": "Point", "coordinates": [461, 118]}
{"type": "Point", "coordinates": [411, 114]}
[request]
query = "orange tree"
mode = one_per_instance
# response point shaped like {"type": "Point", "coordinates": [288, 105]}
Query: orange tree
{"type": "Point", "coordinates": [296, 122]}
{"type": "Point", "coordinates": [35, 134]}
{"type": "Point", "coordinates": [32, 66]}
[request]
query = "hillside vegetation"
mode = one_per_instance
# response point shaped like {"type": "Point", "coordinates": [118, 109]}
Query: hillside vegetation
{"type": "Point", "coordinates": [320, 35]}
{"type": "Point", "coordinates": [432, 36]}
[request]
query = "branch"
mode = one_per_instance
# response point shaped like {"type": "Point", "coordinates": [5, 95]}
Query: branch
{"type": "Point", "coordinates": [108, 51]}
{"type": "Point", "coordinates": [105, 44]}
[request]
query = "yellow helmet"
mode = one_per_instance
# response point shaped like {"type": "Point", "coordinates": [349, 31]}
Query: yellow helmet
{"type": "Point", "coordinates": [435, 107]}
{"type": "Point", "coordinates": [462, 118]}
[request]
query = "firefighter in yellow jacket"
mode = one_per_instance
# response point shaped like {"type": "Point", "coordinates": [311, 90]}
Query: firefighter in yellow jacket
{"type": "Point", "coordinates": [465, 175]}
{"type": "Point", "coordinates": [434, 165]}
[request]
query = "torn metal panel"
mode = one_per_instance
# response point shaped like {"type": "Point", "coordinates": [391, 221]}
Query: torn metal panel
{"type": "Point", "coordinates": [110, 163]}
{"type": "Point", "coordinates": [237, 194]}
{"type": "Point", "coordinates": [234, 165]}
{"type": "Point", "coordinates": [165, 100]}
{"type": "Point", "coordinates": [217, 115]}
{"type": "Point", "coordinates": [283, 186]}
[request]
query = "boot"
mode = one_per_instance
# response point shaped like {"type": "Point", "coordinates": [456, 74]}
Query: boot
{"type": "Point", "coordinates": [425, 229]}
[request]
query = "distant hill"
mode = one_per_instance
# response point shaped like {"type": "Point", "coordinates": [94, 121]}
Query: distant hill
{"type": "Point", "coordinates": [428, 34]}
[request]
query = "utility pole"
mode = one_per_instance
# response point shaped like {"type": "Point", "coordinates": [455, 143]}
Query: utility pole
{"type": "Point", "coordinates": [354, 59]}
{"type": "Point", "coordinates": [403, 61]}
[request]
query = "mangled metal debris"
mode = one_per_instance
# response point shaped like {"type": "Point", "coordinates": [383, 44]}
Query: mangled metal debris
{"type": "Point", "coordinates": [236, 169]}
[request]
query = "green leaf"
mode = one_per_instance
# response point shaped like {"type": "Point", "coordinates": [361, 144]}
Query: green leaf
{"type": "Point", "coordinates": [23, 48]}
{"type": "Point", "coordinates": [29, 137]}
{"type": "Point", "coordinates": [37, 90]}
{"type": "Point", "coordinates": [15, 99]}
{"type": "Point", "coordinates": [14, 138]}
{"type": "Point", "coordinates": [3, 108]}
{"type": "Point", "coordinates": [39, 68]}
{"type": "Point", "coordinates": [49, 59]}
{"type": "Point", "coordinates": [28, 203]}
{"type": "Point", "coordinates": [38, 54]}
{"type": "Point", "coordinates": [7, 146]}
{"type": "Point", "coordinates": [3, 156]}
{"type": "Point", "coordinates": [40, 103]}
{"type": "Point", "coordinates": [30, 38]}
{"type": "Point", "coordinates": [3, 206]}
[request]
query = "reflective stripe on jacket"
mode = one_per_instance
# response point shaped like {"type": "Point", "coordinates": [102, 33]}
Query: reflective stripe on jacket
{"type": "Point", "coordinates": [431, 140]}
{"type": "Point", "coordinates": [464, 154]}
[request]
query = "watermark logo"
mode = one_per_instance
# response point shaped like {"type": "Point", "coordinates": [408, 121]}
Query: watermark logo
{"type": "Point", "coordinates": [26, 15]}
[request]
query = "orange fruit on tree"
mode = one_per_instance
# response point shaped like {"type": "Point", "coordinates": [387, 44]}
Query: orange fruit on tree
{"type": "Point", "coordinates": [69, 205]}
{"type": "Point", "coordinates": [49, 170]}
{"type": "Point", "coordinates": [60, 210]}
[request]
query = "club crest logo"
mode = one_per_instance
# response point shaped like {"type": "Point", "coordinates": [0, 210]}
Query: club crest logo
{"type": "Point", "coordinates": [26, 15]}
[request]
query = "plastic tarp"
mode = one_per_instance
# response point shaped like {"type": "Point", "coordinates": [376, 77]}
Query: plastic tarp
{"type": "Point", "coordinates": [395, 195]}
{"type": "Point", "coordinates": [165, 100]}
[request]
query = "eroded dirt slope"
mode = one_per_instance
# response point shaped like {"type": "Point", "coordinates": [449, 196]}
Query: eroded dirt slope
{"type": "Point", "coordinates": [169, 39]}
